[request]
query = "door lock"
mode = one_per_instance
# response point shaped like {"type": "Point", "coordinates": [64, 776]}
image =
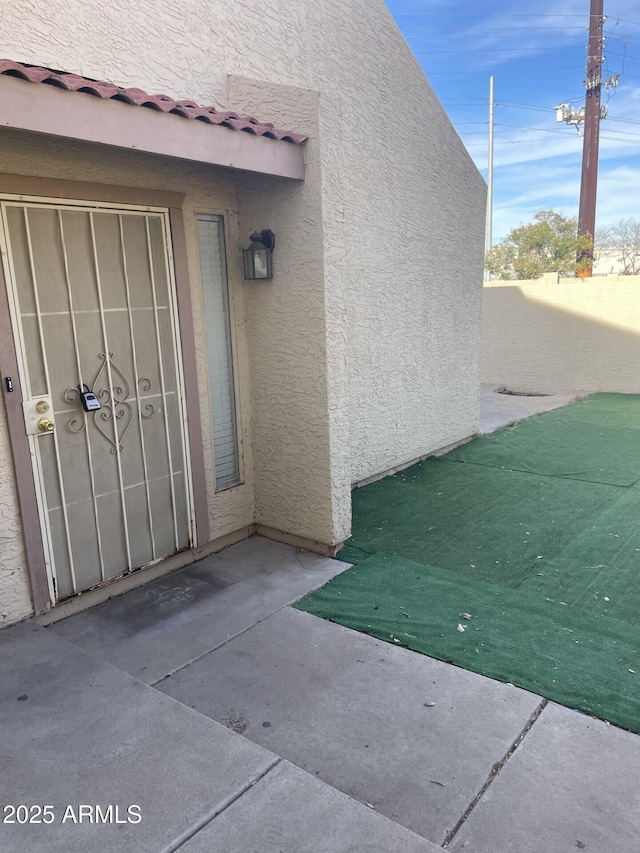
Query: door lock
{"type": "Point", "coordinates": [34, 409]}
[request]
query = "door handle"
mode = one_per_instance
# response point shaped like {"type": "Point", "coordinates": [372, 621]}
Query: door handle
{"type": "Point", "coordinates": [39, 418]}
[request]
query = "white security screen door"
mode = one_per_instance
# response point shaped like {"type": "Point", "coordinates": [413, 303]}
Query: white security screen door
{"type": "Point", "coordinates": [95, 321]}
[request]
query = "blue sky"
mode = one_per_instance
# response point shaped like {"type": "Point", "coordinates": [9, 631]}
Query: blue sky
{"type": "Point", "coordinates": [536, 53]}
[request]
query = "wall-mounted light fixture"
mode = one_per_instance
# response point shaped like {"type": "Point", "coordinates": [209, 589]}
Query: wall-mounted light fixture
{"type": "Point", "coordinates": [257, 258]}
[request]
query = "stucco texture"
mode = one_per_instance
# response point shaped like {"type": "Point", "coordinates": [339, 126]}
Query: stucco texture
{"type": "Point", "coordinates": [404, 218]}
{"type": "Point", "coordinates": [15, 592]}
{"type": "Point", "coordinates": [363, 353]}
{"type": "Point", "coordinates": [572, 335]}
{"type": "Point", "coordinates": [298, 374]}
{"type": "Point", "coordinates": [402, 203]}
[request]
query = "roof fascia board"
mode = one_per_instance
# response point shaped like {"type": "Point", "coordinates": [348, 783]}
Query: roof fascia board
{"type": "Point", "coordinates": [57, 112]}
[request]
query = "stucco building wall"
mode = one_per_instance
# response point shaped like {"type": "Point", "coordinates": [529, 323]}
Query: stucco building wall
{"type": "Point", "coordinates": [363, 353]}
{"type": "Point", "coordinates": [402, 203]}
{"type": "Point", "coordinates": [405, 207]}
{"type": "Point", "coordinates": [296, 339]}
{"type": "Point", "coordinates": [563, 336]}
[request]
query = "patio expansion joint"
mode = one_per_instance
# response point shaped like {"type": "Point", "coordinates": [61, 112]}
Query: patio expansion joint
{"type": "Point", "coordinates": [220, 808]}
{"type": "Point", "coordinates": [495, 770]}
{"type": "Point", "coordinates": [223, 643]}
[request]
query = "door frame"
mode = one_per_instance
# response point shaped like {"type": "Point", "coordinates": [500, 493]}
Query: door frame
{"type": "Point", "coordinates": [27, 189]}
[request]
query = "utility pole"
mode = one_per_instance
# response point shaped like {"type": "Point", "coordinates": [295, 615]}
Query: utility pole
{"type": "Point", "coordinates": [488, 240]}
{"type": "Point", "coordinates": [591, 144]}
{"type": "Point", "coordinates": [489, 225]}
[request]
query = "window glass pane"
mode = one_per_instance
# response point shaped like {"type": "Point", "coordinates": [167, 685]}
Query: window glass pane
{"type": "Point", "coordinates": [219, 353]}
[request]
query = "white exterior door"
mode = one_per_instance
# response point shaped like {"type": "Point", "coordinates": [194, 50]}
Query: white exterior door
{"type": "Point", "coordinates": [94, 312]}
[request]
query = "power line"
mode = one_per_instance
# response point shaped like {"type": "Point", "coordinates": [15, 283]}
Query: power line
{"type": "Point", "coordinates": [480, 15]}
{"type": "Point", "coordinates": [454, 102]}
{"type": "Point", "coordinates": [462, 36]}
{"type": "Point", "coordinates": [576, 138]}
{"type": "Point", "coordinates": [457, 34]}
{"type": "Point", "coordinates": [529, 68]}
{"type": "Point", "coordinates": [549, 130]}
{"type": "Point", "coordinates": [540, 36]}
{"type": "Point", "coordinates": [525, 106]}
{"type": "Point", "coordinates": [552, 130]}
{"type": "Point", "coordinates": [528, 141]}
{"type": "Point", "coordinates": [634, 59]}
{"type": "Point", "coordinates": [488, 60]}
{"type": "Point", "coordinates": [496, 50]}
{"type": "Point", "coordinates": [622, 39]}
{"type": "Point", "coordinates": [522, 127]}
{"type": "Point", "coordinates": [625, 120]}
{"type": "Point", "coordinates": [627, 21]}
{"type": "Point", "coordinates": [550, 109]}
{"type": "Point", "coordinates": [625, 57]}
{"type": "Point", "coordinates": [524, 29]}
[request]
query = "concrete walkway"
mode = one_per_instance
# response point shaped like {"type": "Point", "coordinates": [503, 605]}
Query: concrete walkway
{"type": "Point", "coordinates": [214, 718]}
{"type": "Point", "coordinates": [499, 410]}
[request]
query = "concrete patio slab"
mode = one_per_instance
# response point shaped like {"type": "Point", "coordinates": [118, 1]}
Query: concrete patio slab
{"type": "Point", "coordinates": [158, 628]}
{"type": "Point", "coordinates": [498, 410]}
{"type": "Point", "coordinates": [76, 731]}
{"type": "Point", "coordinates": [571, 785]}
{"type": "Point", "coordinates": [289, 811]}
{"type": "Point", "coordinates": [355, 712]}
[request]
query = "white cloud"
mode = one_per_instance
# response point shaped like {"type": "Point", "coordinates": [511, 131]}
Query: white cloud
{"type": "Point", "coordinates": [618, 193]}
{"type": "Point", "coordinates": [537, 169]}
{"type": "Point", "coordinates": [537, 162]}
{"type": "Point", "coordinates": [533, 190]}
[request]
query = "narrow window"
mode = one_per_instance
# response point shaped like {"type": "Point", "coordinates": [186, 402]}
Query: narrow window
{"type": "Point", "coordinates": [217, 317]}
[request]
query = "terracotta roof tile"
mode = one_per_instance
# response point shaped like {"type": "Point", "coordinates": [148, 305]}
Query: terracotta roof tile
{"type": "Point", "coordinates": [139, 98]}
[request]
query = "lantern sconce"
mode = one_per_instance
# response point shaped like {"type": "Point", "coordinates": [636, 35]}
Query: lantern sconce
{"type": "Point", "coordinates": [257, 258]}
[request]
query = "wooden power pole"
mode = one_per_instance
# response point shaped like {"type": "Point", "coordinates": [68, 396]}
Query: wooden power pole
{"type": "Point", "coordinates": [593, 83]}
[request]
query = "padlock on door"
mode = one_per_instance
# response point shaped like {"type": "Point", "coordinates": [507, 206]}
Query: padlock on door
{"type": "Point", "coordinates": [90, 402]}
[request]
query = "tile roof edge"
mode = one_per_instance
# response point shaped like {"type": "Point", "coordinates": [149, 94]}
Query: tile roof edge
{"type": "Point", "coordinates": [183, 108]}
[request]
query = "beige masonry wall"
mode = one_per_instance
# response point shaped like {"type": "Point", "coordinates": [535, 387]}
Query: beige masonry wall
{"type": "Point", "coordinates": [406, 207]}
{"type": "Point", "coordinates": [567, 335]}
{"type": "Point", "coordinates": [401, 205]}
{"type": "Point", "coordinates": [207, 190]}
{"type": "Point", "coordinates": [296, 339]}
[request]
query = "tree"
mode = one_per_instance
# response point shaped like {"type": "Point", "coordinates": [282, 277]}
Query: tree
{"type": "Point", "coordinates": [548, 244]}
{"type": "Point", "coordinates": [622, 242]}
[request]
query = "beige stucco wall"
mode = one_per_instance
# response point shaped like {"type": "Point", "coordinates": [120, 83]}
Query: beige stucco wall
{"type": "Point", "coordinates": [402, 204]}
{"type": "Point", "coordinates": [15, 592]}
{"type": "Point", "coordinates": [296, 339]}
{"type": "Point", "coordinates": [566, 335]}
{"type": "Point", "coordinates": [406, 210]}
{"type": "Point", "coordinates": [207, 190]}
{"type": "Point", "coordinates": [363, 353]}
